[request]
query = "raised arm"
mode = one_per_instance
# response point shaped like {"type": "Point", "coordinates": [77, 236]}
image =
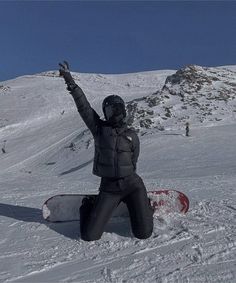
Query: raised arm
{"type": "Point", "coordinates": [88, 114]}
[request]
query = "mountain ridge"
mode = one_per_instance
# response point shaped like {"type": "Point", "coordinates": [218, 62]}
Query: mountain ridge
{"type": "Point", "coordinates": [155, 99]}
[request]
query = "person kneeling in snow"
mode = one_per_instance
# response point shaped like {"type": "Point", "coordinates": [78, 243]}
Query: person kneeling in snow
{"type": "Point", "coordinates": [116, 155]}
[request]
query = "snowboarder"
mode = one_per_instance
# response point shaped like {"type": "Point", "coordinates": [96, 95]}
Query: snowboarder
{"type": "Point", "coordinates": [187, 129]}
{"type": "Point", "coordinates": [4, 145]}
{"type": "Point", "coordinates": [115, 158]}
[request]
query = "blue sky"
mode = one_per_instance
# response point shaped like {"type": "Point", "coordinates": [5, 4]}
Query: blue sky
{"type": "Point", "coordinates": [115, 36]}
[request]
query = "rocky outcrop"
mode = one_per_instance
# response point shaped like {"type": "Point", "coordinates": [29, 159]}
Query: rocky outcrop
{"type": "Point", "coordinates": [4, 88]}
{"type": "Point", "coordinates": [194, 93]}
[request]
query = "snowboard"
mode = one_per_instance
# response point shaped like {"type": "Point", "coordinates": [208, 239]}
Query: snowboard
{"type": "Point", "coordinates": [65, 207]}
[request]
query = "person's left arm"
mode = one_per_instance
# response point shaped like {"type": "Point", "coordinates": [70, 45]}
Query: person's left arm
{"type": "Point", "coordinates": [88, 114]}
{"type": "Point", "coordinates": [136, 149]}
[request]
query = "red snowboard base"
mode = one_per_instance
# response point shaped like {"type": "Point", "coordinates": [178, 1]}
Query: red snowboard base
{"type": "Point", "coordinates": [61, 208]}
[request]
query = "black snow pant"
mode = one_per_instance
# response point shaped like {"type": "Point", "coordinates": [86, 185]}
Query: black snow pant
{"type": "Point", "coordinates": [131, 190]}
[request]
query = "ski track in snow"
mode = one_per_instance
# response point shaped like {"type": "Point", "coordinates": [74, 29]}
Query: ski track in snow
{"type": "Point", "coordinates": [197, 247]}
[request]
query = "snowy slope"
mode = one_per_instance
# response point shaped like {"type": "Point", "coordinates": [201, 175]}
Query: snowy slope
{"type": "Point", "coordinates": [49, 151]}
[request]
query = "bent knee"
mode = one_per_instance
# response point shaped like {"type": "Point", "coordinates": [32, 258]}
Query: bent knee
{"type": "Point", "coordinates": [143, 235]}
{"type": "Point", "coordinates": [144, 232]}
{"type": "Point", "coordinates": [90, 235]}
{"type": "Point", "coordinates": [89, 238]}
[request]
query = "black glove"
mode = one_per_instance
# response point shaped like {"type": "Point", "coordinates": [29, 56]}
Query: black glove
{"type": "Point", "coordinates": [65, 73]}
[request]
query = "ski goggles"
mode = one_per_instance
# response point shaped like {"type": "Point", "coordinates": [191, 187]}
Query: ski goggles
{"type": "Point", "coordinates": [113, 110]}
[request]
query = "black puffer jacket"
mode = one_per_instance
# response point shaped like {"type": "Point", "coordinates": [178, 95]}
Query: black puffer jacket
{"type": "Point", "coordinates": [116, 148]}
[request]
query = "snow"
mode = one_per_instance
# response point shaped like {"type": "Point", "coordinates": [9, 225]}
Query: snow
{"type": "Point", "coordinates": [49, 151]}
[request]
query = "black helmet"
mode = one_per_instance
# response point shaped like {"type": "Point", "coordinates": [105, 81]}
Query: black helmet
{"type": "Point", "coordinates": [113, 107]}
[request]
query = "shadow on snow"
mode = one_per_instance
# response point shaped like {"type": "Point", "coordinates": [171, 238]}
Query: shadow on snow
{"type": "Point", "coordinates": [67, 229]}
{"type": "Point", "coordinates": [76, 168]}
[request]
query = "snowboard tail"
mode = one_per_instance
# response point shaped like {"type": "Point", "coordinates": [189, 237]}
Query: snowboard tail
{"type": "Point", "coordinates": [65, 207]}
